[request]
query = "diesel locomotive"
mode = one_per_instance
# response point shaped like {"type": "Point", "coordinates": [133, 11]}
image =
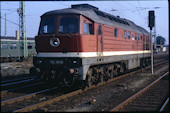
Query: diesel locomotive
{"type": "Point", "coordinates": [87, 45]}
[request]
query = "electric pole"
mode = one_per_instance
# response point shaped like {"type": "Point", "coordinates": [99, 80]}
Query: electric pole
{"type": "Point", "coordinates": [22, 29]}
{"type": "Point", "coordinates": [155, 35]}
{"type": "Point", "coordinates": [0, 18]}
{"type": "Point", "coordinates": [5, 25]}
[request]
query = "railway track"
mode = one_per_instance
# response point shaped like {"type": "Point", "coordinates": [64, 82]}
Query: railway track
{"type": "Point", "coordinates": [28, 96]}
{"type": "Point", "coordinates": [69, 94]}
{"type": "Point", "coordinates": [165, 106]}
{"type": "Point", "coordinates": [14, 80]}
{"type": "Point", "coordinates": [148, 99]}
{"type": "Point", "coordinates": [17, 84]}
{"type": "Point", "coordinates": [8, 92]}
{"type": "Point", "coordinates": [11, 105]}
{"type": "Point", "coordinates": [50, 99]}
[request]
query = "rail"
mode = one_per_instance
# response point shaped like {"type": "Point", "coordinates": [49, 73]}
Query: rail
{"type": "Point", "coordinates": [164, 105]}
{"type": "Point", "coordinates": [9, 101]}
{"type": "Point", "coordinates": [127, 101]}
{"type": "Point", "coordinates": [13, 80]}
{"type": "Point", "coordinates": [3, 85]}
{"type": "Point", "coordinates": [3, 93]}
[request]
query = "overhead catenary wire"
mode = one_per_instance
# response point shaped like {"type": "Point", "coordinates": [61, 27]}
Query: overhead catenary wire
{"type": "Point", "coordinates": [9, 13]}
{"type": "Point", "coordinates": [10, 21]}
{"type": "Point", "coordinates": [101, 4]}
{"type": "Point", "coordinates": [130, 11]}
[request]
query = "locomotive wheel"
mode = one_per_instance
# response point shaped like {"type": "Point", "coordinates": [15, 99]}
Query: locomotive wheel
{"type": "Point", "coordinates": [89, 80]}
{"type": "Point", "coordinates": [115, 72]}
{"type": "Point", "coordinates": [111, 74]}
{"type": "Point", "coordinates": [122, 68]}
{"type": "Point", "coordinates": [106, 77]}
{"type": "Point", "coordinates": [44, 78]}
{"type": "Point", "coordinates": [105, 73]}
{"type": "Point", "coordinates": [100, 77]}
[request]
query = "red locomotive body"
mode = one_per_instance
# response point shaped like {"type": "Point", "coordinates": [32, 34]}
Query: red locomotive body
{"type": "Point", "coordinates": [81, 43]}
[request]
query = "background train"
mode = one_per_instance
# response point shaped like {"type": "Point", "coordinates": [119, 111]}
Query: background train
{"type": "Point", "coordinates": [87, 45]}
{"type": "Point", "coordinates": [10, 48]}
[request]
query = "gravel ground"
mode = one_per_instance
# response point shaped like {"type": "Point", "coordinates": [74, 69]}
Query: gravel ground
{"type": "Point", "coordinates": [39, 98]}
{"type": "Point", "coordinates": [15, 68]}
{"type": "Point", "coordinates": [104, 98]}
{"type": "Point", "coordinates": [151, 100]}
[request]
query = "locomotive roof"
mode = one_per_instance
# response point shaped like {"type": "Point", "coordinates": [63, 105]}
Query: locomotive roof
{"type": "Point", "coordinates": [143, 30]}
{"type": "Point", "coordinates": [100, 17]}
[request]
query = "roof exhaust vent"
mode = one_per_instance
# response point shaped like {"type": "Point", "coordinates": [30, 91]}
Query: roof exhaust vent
{"type": "Point", "coordinates": [84, 6]}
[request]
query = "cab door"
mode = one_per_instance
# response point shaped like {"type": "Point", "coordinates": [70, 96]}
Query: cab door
{"type": "Point", "coordinates": [99, 41]}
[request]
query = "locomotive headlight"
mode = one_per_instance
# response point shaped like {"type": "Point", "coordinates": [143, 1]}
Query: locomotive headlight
{"type": "Point", "coordinates": [74, 61]}
{"type": "Point", "coordinates": [55, 42]}
{"type": "Point", "coordinates": [39, 61]}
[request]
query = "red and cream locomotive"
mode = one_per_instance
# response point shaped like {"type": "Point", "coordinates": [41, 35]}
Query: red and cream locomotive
{"type": "Point", "coordinates": [84, 44]}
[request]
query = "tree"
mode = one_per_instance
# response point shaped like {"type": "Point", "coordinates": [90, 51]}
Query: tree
{"type": "Point", "coordinates": [160, 40]}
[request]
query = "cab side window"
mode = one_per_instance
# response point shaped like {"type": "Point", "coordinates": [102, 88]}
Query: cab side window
{"type": "Point", "coordinates": [88, 28]}
{"type": "Point", "coordinates": [85, 27]}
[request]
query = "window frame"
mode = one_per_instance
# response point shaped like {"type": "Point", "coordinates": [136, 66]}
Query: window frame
{"type": "Point", "coordinates": [78, 22]}
{"type": "Point", "coordinates": [55, 18]}
{"type": "Point", "coordinates": [129, 34]}
{"type": "Point", "coordinates": [5, 44]}
{"type": "Point", "coordinates": [115, 32]}
{"type": "Point", "coordinates": [90, 28]}
{"type": "Point", "coordinates": [125, 34]}
{"type": "Point", "coordinates": [12, 46]}
{"type": "Point", "coordinates": [136, 36]}
{"type": "Point", "coordinates": [85, 28]}
{"type": "Point", "coordinates": [99, 31]}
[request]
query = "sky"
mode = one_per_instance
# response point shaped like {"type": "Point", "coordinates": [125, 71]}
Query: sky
{"type": "Point", "coordinates": [136, 11]}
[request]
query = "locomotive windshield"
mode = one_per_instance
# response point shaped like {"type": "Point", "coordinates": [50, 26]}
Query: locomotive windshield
{"type": "Point", "coordinates": [69, 25]}
{"type": "Point", "coordinates": [47, 25]}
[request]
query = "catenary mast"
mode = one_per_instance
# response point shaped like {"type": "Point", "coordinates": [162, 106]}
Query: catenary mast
{"type": "Point", "coordinates": [22, 29]}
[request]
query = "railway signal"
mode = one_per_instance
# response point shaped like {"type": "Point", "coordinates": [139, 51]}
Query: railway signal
{"type": "Point", "coordinates": [151, 24]}
{"type": "Point", "coordinates": [151, 19]}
